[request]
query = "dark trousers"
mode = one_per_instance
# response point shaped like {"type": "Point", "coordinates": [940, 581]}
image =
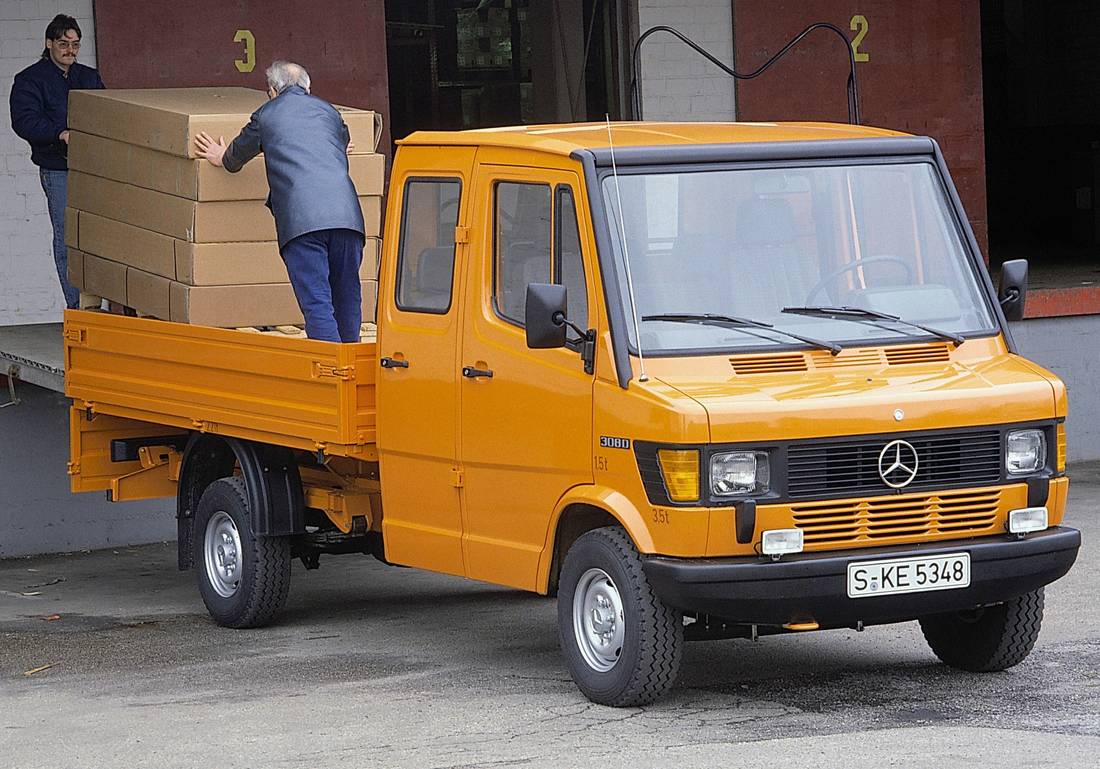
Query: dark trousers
{"type": "Point", "coordinates": [56, 186]}
{"type": "Point", "coordinates": [324, 270]}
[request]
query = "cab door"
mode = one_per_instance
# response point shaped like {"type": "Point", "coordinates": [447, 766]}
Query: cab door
{"type": "Point", "coordinates": [418, 323]}
{"type": "Point", "coordinates": [526, 415]}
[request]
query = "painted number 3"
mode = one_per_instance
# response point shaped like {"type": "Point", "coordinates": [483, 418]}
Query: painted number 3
{"type": "Point", "coordinates": [859, 25]}
{"type": "Point", "coordinates": [248, 63]}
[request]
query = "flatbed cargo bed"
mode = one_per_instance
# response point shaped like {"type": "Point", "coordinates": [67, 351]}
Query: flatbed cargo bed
{"type": "Point", "coordinates": [299, 393]}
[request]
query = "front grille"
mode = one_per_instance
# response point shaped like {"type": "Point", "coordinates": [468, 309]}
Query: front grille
{"type": "Point", "coordinates": [851, 467]}
{"type": "Point", "coordinates": [879, 520]}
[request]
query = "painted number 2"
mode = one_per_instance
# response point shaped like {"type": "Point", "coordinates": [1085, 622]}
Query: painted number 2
{"type": "Point", "coordinates": [248, 63]}
{"type": "Point", "coordinates": [859, 25]}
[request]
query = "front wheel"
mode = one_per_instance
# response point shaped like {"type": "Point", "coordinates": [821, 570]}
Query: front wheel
{"type": "Point", "coordinates": [244, 579]}
{"type": "Point", "coordinates": [988, 639]}
{"type": "Point", "coordinates": [621, 643]}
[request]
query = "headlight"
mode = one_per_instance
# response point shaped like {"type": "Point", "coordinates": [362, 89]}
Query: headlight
{"type": "Point", "coordinates": [1025, 451]}
{"type": "Point", "coordinates": [739, 472]}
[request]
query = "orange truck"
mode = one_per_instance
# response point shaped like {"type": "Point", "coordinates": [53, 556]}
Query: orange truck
{"type": "Point", "coordinates": [698, 380]}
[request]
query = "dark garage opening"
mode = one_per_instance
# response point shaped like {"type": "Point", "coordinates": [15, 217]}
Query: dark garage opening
{"type": "Point", "coordinates": [1041, 81]}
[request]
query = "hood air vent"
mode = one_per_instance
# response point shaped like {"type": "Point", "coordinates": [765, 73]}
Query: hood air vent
{"type": "Point", "coordinates": [820, 360]}
{"type": "Point", "coordinates": [925, 353]}
{"type": "Point", "coordinates": [768, 364]}
{"type": "Point", "coordinates": [823, 359]}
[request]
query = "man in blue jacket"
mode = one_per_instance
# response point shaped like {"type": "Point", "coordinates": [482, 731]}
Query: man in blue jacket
{"type": "Point", "coordinates": [39, 114]}
{"type": "Point", "coordinates": [317, 216]}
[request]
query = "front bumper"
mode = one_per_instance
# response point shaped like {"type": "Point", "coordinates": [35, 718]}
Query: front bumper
{"type": "Point", "coordinates": [813, 586]}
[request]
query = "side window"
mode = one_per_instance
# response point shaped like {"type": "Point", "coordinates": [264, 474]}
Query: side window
{"type": "Point", "coordinates": [426, 255]}
{"type": "Point", "coordinates": [522, 245]}
{"type": "Point", "coordinates": [567, 257]}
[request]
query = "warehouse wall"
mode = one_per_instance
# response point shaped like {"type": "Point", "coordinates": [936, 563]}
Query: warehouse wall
{"type": "Point", "coordinates": [169, 44]}
{"type": "Point", "coordinates": [38, 513]}
{"type": "Point", "coordinates": [919, 67]}
{"type": "Point", "coordinates": [1067, 346]}
{"type": "Point", "coordinates": [678, 83]}
{"type": "Point", "coordinates": [29, 291]}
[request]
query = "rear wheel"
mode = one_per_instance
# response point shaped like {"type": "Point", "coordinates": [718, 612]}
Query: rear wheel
{"type": "Point", "coordinates": [621, 643]}
{"type": "Point", "coordinates": [987, 639]}
{"type": "Point", "coordinates": [243, 579]}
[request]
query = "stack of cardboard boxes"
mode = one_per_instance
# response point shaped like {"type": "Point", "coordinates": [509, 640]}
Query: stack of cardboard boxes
{"type": "Point", "coordinates": [151, 227]}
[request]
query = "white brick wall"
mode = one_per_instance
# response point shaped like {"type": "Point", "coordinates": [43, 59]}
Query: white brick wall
{"type": "Point", "coordinates": [29, 292]}
{"type": "Point", "coordinates": [678, 83]}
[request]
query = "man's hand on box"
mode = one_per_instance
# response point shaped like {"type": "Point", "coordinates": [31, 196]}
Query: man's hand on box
{"type": "Point", "coordinates": [64, 136]}
{"type": "Point", "coordinates": [206, 147]}
{"type": "Point", "coordinates": [351, 147]}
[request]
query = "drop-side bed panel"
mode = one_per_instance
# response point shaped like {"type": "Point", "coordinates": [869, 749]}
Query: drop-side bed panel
{"type": "Point", "coordinates": [300, 393]}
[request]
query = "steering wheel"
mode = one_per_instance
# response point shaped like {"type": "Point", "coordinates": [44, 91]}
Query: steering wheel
{"type": "Point", "coordinates": [850, 266]}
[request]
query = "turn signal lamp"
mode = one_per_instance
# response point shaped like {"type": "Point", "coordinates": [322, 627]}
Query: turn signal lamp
{"type": "Point", "coordinates": [680, 469]}
{"type": "Point", "coordinates": [1060, 439]}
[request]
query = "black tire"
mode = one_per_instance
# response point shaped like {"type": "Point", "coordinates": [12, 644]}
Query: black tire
{"type": "Point", "coordinates": [988, 639]}
{"type": "Point", "coordinates": [263, 570]}
{"type": "Point", "coordinates": [652, 640]}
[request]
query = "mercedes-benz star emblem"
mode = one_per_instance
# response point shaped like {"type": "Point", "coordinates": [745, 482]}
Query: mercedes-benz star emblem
{"type": "Point", "coordinates": [897, 464]}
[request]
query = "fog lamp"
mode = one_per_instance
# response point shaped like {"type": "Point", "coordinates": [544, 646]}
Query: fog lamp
{"type": "Point", "coordinates": [781, 541]}
{"type": "Point", "coordinates": [1028, 519]}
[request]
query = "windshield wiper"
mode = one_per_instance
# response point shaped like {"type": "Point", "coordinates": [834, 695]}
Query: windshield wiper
{"type": "Point", "coordinates": [860, 315]}
{"type": "Point", "coordinates": [730, 321]}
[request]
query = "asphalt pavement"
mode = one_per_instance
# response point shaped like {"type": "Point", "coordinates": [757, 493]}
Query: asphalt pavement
{"type": "Point", "coordinates": [108, 659]}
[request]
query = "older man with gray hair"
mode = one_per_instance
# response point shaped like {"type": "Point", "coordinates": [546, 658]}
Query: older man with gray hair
{"type": "Point", "coordinates": [317, 216]}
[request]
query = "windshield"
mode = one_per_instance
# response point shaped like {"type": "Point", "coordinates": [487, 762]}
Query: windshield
{"type": "Point", "coordinates": [750, 243]}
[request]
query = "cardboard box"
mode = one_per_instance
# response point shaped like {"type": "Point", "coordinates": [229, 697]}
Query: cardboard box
{"type": "Point", "coordinates": [270, 304]}
{"type": "Point", "coordinates": [72, 233]}
{"type": "Point", "coordinates": [197, 264]}
{"type": "Point", "coordinates": [195, 179]}
{"type": "Point", "coordinates": [170, 215]}
{"type": "Point", "coordinates": [148, 293]}
{"type": "Point", "coordinates": [168, 119]}
{"type": "Point", "coordinates": [216, 264]}
{"type": "Point", "coordinates": [372, 215]}
{"type": "Point", "coordinates": [370, 302]}
{"type": "Point", "coordinates": [104, 278]}
{"type": "Point", "coordinates": [210, 222]}
{"type": "Point", "coordinates": [75, 269]}
{"type": "Point", "coordinates": [372, 255]}
{"type": "Point", "coordinates": [365, 127]}
{"type": "Point", "coordinates": [120, 242]}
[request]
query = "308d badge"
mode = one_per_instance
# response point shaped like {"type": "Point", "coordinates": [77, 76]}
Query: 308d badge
{"type": "Point", "coordinates": [607, 442]}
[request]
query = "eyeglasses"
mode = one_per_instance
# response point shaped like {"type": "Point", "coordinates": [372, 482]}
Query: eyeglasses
{"type": "Point", "coordinates": [67, 45]}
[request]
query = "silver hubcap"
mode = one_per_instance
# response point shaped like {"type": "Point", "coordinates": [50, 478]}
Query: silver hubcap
{"type": "Point", "coordinates": [223, 553]}
{"type": "Point", "coordinates": [598, 620]}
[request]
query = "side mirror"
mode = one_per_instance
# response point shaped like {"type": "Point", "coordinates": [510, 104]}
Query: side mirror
{"type": "Point", "coordinates": [545, 316]}
{"type": "Point", "coordinates": [1012, 293]}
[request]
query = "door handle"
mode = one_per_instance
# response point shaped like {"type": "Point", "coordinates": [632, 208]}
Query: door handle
{"type": "Point", "coordinates": [474, 373]}
{"type": "Point", "coordinates": [393, 363]}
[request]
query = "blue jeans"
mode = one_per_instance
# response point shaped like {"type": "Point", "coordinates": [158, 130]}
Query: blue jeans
{"type": "Point", "coordinates": [56, 186]}
{"type": "Point", "coordinates": [324, 270]}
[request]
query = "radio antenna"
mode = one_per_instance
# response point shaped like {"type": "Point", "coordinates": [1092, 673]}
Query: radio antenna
{"type": "Point", "coordinates": [642, 376]}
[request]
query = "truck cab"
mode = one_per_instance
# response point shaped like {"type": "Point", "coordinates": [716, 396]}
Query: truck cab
{"type": "Point", "coordinates": [700, 380]}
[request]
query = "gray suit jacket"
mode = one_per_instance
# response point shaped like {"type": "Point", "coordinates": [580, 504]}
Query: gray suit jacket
{"type": "Point", "coordinates": [304, 141]}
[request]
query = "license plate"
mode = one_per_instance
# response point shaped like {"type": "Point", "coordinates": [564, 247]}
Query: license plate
{"type": "Point", "coordinates": [908, 575]}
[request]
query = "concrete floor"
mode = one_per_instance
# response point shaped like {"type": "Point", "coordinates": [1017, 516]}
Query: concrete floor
{"type": "Point", "coordinates": [378, 666]}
